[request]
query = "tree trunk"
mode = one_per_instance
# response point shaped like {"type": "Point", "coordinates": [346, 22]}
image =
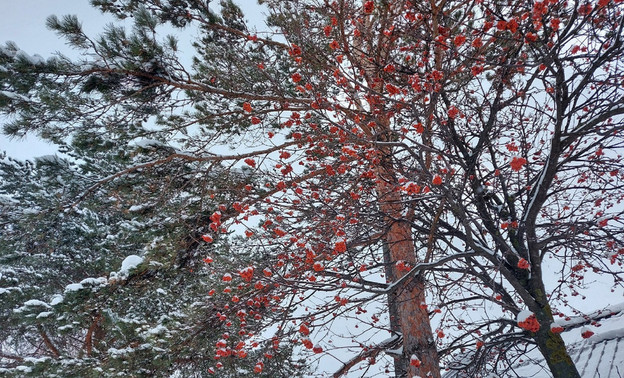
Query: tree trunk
{"type": "Point", "coordinates": [400, 365]}
{"type": "Point", "coordinates": [553, 348]}
{"type": "Point", "coordinates": [554, 351]}
{"type": "Point", "coordinates": [413, 317]}
{"type": "Point", "coordinates": [95, 325]}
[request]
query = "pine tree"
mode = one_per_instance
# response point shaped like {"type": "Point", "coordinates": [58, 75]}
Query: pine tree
{"type": "Point", "coordinates": [103, 265]}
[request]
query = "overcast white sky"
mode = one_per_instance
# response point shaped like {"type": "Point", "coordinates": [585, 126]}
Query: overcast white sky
{"type": "Point", "coordinates": [24, 22]}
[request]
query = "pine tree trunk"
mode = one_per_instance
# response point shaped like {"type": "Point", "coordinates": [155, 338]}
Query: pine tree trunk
{"type": "Point", "coordinates": [413, 318]}
{"type": "Point", "coordinates": [405, 302]}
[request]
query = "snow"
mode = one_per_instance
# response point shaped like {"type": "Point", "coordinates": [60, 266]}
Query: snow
{"type": "Point", "coordinates": [523, 315]}
{"type": "Point", "coordinates": [160, 329]}
{"type": "Point", "coordinates": [73, 287]}
{"type": "Point", "coordinates": [536, 191]}
{"type": "Point", "coordinates": [36, 360]}
{"type": "Point", "coordinates": [147, 143]}
{"type": "Point", "coordinates": [390, 340]}
{"type": "Point", "coordinates": [8, 199]}
{"type": "Point", "coordinates": [577, 320]}
{"type": "Point", "coordinates": [14, 96]}
{"type": "Point", "coordinates": [44, 314]}
{"type": "Point", "coordinates": [396, 352]}
{"type": "Point", "coordinates": [601, 360]}
{"type": "Point", "coordinates": [484, 248]}
{"type": "Point", "coordinates": [587, 332]}
{"type": "Point", "coordinates": [137, 208]}
{"type": "Point", "coordinates": [35, 303]}
{"type": "Point", "coordinates": [556, 324]}
{"type": "Point", "coordinates": [114, 352]}
{"type": "Point", "coordinates": [598, 356]}
{"type": "Point", "coordinates": [609, 335]}
{"type": "Point", "coordinates": [32, 59]}
{"type": "Point", "coordinates": [130, 263]}
{"type": "Point", "coordinates": [100, 281]}
{"type": "Point", "coordinates": [56, 299]}
{"type": "Point", "coordinates": [7, 271]}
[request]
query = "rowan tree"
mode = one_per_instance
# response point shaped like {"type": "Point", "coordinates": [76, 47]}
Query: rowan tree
{"type": "Point", "coordinates": [440, 157]}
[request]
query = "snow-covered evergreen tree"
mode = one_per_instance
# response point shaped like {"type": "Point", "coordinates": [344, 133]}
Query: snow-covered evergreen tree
{"type": "Point", "coordinates": [115, 282]}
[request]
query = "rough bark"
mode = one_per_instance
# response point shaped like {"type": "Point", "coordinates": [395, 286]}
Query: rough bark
{"type": "Point", "coordinates": [408, 316]}
{"type": "Point", "coordinates": [550, 344]}
{"type": "Point", "coordinates": [554, 351]}
{"type": "Point", "coordinates": [413, 318]}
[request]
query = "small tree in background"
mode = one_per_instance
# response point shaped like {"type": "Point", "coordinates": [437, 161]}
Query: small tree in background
{"type": "Point", "coordinates": [435, 156]}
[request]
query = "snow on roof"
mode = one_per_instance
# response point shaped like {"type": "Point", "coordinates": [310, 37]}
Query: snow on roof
{"type": "Point", "coordinates": [600, 355]}
{"type": "Point", "coordinates": [603, 358]}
